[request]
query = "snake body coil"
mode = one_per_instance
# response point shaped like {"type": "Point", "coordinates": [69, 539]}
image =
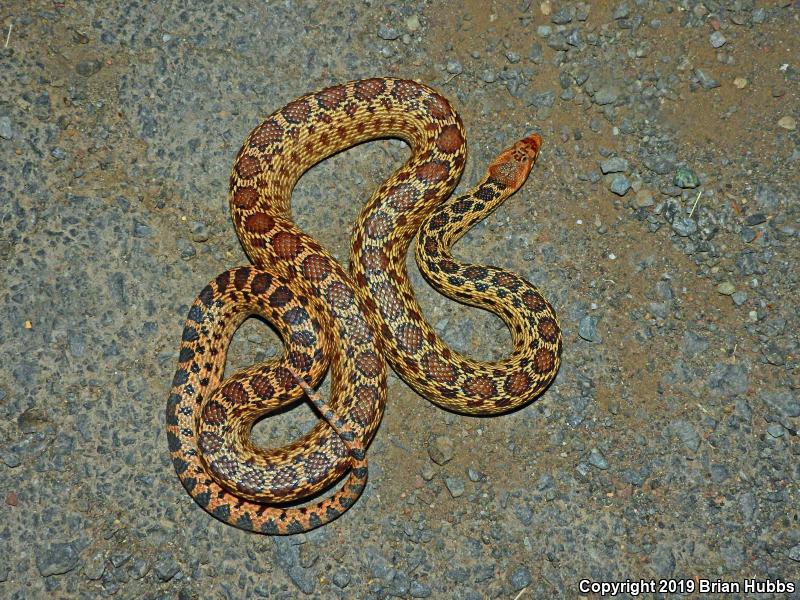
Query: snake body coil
{"type": "Point", "coordinates": [348, 322]}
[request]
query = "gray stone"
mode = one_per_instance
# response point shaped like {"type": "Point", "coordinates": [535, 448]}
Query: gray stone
{"type": "Point", "coordinates": [558, 41]}
{"type": "Point", "coordinates": [563, 15]}
{"type": "Point", "coordinates": [87, 68]}
{"type": "Point", "coordinates": [687, 434]}
{"type": "Point", "coordinates": [166, 567]}
{"type": "Point", "coordinates": [621, 11]}
{"type": "Point", "coordinates": [441, 450]}
{"type": "Point", "coordinates": [717, 39]}
{"type": "Point", "coordinates": [685, 178]}
{"type": "Point", "coordinates": [56, 559]}
{"type": "Point", "coordinates": [726, 288]}
{"type": "Point", "coordinates": [620, 185]}
{"type": "Point", "coordinates": [694, 344]}
{"type": "Point", "coordinates": [536, 55]}
{"type": "Point", "coordinates": [454, 67]}
{"type": "Point", "coordinates": [615, 164]}
{"type": "Point", "coordinates": [748, 505]}
{"type": "Point", "coordinates": [662, 560]}
{"type": "Point", "coordinates": [419, 590]}
{"type": "Point", "coordinates": [520, 578]}
{"type": "Point", "coordinates": [684, 226]}
{"type": "Point", "coordinates": [95, 566]}
{"type": "Point", "coordinates": [775, 430]}
{"type": "Point", "coordinates": [719, 473]}
{"type": "Point", "coordinates": [739, 297]}
{"type": "Point", "coordinates": [607, 94]}
{"type": "Point", "coordinates": [387, 33]}
{"type": "Point", "coordinates": [794, 553]}
{"type": "Point", "coordinates": [659, 164]}
{"type": "Point", "coordinates": [706, 80]}
{"type": "Point", "coordinates": [597, 460]}
{"type": "Point", "coordinates": [524, 513]}
{"type": "Point", "coordinates": [475, 475]}
{"type": "Point", "coordinates": [587, 329]}
{"type": "Point", "coordinates": [733, 555]}
{"type": "Point", "coordinates": [782, 402]}
{"type": "Point", "coordinates": [455, 485]}
{"type": "Point", "coordinates": [6, 130]}
{"type": "Point", "coordinates": [542, 99]}
{"type": "Point", "coordinates": [341, 578]}
{"type": "Point", "coordinates": [304, 580]}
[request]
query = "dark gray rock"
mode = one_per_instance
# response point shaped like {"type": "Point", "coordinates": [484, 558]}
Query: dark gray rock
{"type": "Point", "coordinates": [615, 164]}
{"type": "Point", "coordinates": [784, 403]}
{"type": "Point", "coordinates": [166, 567]}
{"type": "Point", "coordinates": [520, 578]}
{"type": "Point", "coordinates": [56, 559]}
{"type": "Point", "coordinates": [87, 68]}
{"type": "Point", "coordinates": [687, 434]}
{"type": "Point", "coordinates": [587, 329]}
{"type": "Point", "coordinates": [6, 130]}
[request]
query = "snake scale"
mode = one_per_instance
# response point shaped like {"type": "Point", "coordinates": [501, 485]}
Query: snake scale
{"type": "Point", "coordinates": [348, 322]}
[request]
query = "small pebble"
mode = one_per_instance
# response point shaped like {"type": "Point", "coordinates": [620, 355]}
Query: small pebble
{"type": "Point", "coordinates": [597, 460]}
{"type": "Point", "coordinates": [717, 39]}
{"type": "Point", "coordinates": [87, 68]}
{"type": "Point", "coordinates": [455, 485]}
{"type": "Point", "coordinates": [621, 11]}
{"type": "Point", "coordinates": [6, 131]}
{"type": "Point", "coordinates": [775, 430]}
{"type": "Point", "coordinates": [739, 297]}
{"type": "Point", "coordinates": [441, 450]}
{"type": "Point", "coordinates": [644, 198]}
{"type": "Point", "coordinates": [726, 288]}
{"type": "Point", "coordinates": [563, 15]}
{"type": "Point", "coordinates": [587, 329]}
{"type": "Point", "coordinates": [412, 23]}
{"type": "Point", "coordinates": [341, 578]}
{"type": "Point", "coordinates": [794, 553]}
{"type": "Point", "coordinates": [454, 67]}
{"type": "Point", "coordinates": [615, 164]}
{"type": "Point", "coordinates": [684, 226]}
{"type": "Point", "coordinates": [706, 80]}
{"type": "Point", "coordinates": [687, 434]}
{"type": "Point", "coordinates": [789, 123]}
{"type": "Point", "coordinates": [620, 185]}
{"type": "Point", "coordinates": [685, 178]}
{"type": "Point", "coordinates": [606, 95]}
{"type": "Point", "coordinates": [520, 578]}
{"type": "Point", "coordinates": [419, 590]}
{"type": "Point", "coordinates": [56, 559]}
{"type": "Point", "coordinates": [475, 475]}
{"type": "Point", "coordinates": [387, 33]}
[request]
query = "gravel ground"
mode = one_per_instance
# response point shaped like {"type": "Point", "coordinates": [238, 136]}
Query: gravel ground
{"type": "Point", "coordinates": [662, 221]}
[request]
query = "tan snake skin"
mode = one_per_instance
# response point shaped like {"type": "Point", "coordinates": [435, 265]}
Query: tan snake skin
{"type": "Point", "coordinates": [350, 322]}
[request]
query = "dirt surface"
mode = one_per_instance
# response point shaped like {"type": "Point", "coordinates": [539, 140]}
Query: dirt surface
{"type": "Point", "coordinates": [661, 220]}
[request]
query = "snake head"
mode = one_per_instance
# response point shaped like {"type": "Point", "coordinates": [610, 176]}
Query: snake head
{"type": "Point", "coordinates": [512, 167]}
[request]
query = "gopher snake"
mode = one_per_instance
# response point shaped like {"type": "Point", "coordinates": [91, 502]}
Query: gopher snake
{"type": "Point", "coordinates": [327, 317]}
